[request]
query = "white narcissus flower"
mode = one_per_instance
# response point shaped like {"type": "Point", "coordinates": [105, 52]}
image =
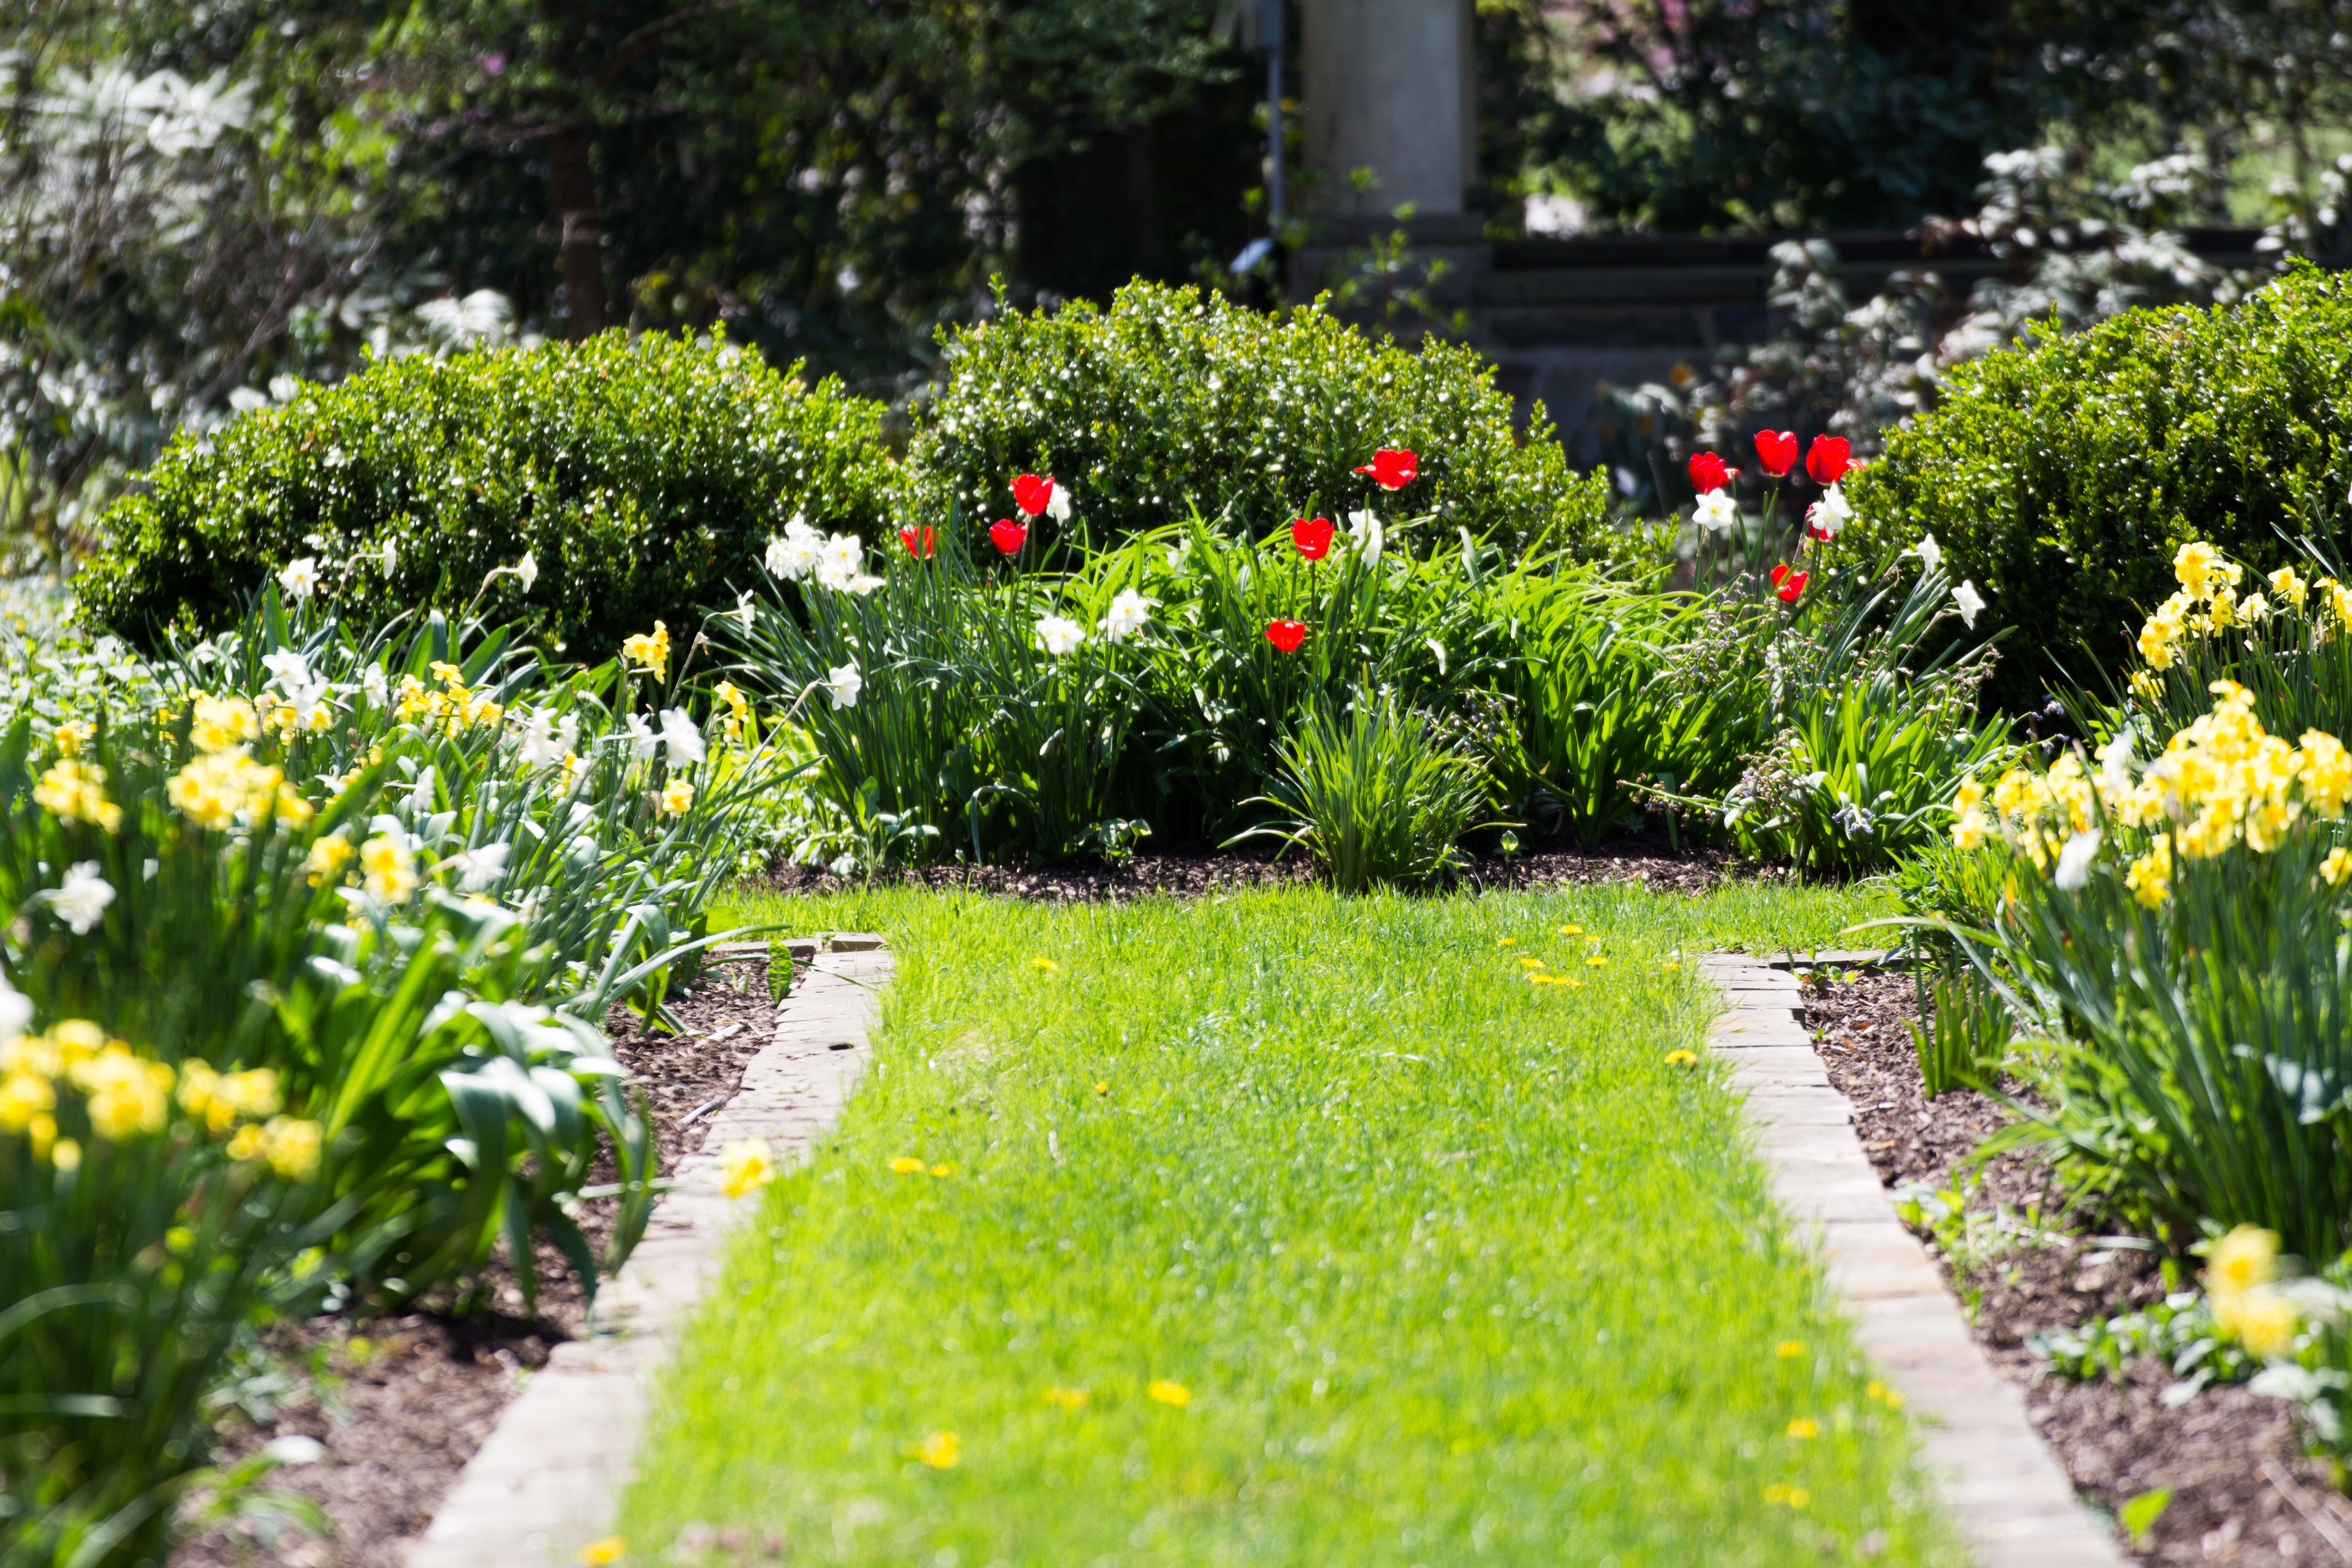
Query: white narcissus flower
{"type": "Point", "coordinates": [683, 736]}
{"type": "Point", "coordinates": [299, 580]}
{"type": "Point", "coordinates": [838, 560]}
{"type": "Point", "coordinates": [1058, 505]}
{"type": "Point", "coordinates": [2115, 759]}
{"type": "Point", "coordinates": [15, 1011]}
{"type": "Point", "coordinates": [862, 584]}
{"type": "Point", "coordinates": [843, 683]}
{"type": "Point", "coordinates": [793, 556]}
{"type": "Point", "coordinates": [539, 746]}
{"type": "Point", "coordinates": [1930, 554]}
{"type": "Point", "coordinates": [746, 611]}
{"type": "Point", "coordinates": [2074, 861]}
{"type": "Point", "coordinates": [642, 738]}
{"type": "Point", "coordinates": [286, 667]}
{"type": "Point", "coordinates": [1717, 511]}
{"type": "Point", "coordinates": [375, 686]}
{"type": "Point", "coordinates": [1829, 514]}
{"type": "Point", "coordinates": [1969, 601]}
{"type": "Point", "coordinates": [528, 570]}
{"type": "Point", "coordinates": [81, 901]}
{"type": "Point", "coordinates": [308, 701]}
{"type": "Point", "coordinates": [1060, 634]}
{"type": "Point", "coordinates": [478, 868]}
{"type": "Point", "coordinates": [1128, 612]}
{"type": "Point", "coordinates": [1364, 537]}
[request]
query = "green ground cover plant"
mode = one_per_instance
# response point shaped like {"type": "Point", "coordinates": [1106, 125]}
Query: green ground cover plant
{"type": "Point", "coordinates": [1344, 1241]}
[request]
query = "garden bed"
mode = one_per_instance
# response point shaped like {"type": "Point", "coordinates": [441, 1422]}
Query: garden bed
{"type": "Point", "coordinates": [2242, 1491]}
{"type": "Point", "coordinates": [402, 1404]}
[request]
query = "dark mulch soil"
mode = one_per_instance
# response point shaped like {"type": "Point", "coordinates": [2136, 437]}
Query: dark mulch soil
{"type": "Point", "coordinates": [2242, 1491]}
{"type": "Point", "coordinates": [402, 1404]}
{"type": "Point", "coordinates": [1653, 863]}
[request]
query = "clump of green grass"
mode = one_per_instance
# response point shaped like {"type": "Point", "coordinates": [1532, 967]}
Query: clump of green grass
{"type": "Point", "coordinates": [1283, 1228]}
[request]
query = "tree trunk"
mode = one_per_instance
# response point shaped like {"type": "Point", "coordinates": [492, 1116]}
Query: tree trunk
{"type": "Point", "coordinates": [572, 184]}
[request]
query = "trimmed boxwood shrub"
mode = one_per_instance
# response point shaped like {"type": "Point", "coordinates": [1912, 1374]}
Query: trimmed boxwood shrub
{"type": "Point", "coordinates": [1169, 400]}
{"type": "Point", "coordinates": [643, 475]}
{"type": "Point", "coordinates": [2060, 476]}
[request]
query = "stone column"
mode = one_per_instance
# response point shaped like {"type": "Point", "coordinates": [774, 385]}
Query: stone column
{"type": "Point", "coordinates": [1389, 86]}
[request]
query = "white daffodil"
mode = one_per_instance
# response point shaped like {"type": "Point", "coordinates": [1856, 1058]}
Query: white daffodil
{"type": "Point", "coordinates": [794, 555]}
{"type": "Point", "coordinates": [2074, 861]}
{"type": "Point", "coordinates": [1969, 601]}
{"type": "Point", "coordinates": [642, 738]}
{"type": "Point", "coordinates": [81, 901]}
{"type": "Point", "coordinates": [2115, 761]}
{"type": "Point", "coordinates": [286, 667]}
{"type": "Point", "coordinates": [541, 746]}
{"type": "Point", "coordinates": [528, 570]}
{"type": "Point", "coordinates": [375, 686]}
{"type": "Point", "coordinates": [1365, 538]}
{"type": "Point", "coordinates": [479, 869]}
{"type": "Point", "coordinates": [862, 584]}
{"type": "Point", "coordinates": [308, 701]}
{"type": "Point", "coordinates": [683, 736]}
{"type": "Point", "coordinates": [1717, 511]}
{"type": "Point", "coordinates": [838, 560]}
{"type": "Point", "coordinates": [1829, 514]}
{"type": "Point", "coordinates": [15, 1011]}
{"type": "Point", "coordinates": [746, 611]}
{"type": "Point", "coordinates": [1060, 634]}
{"type": "Point", "coordinates": [1129, 614]}
{"type": "Point", "coordinates": [1057, 504]}
{"type": "Point", "coordinates": [843, 683]}
{"type": "Point", "coordinates": [299, 580]}
{"type": "Point", "coordinates": [1930, 554]}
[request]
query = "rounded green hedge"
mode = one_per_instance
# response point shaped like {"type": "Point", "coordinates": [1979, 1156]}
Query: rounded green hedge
{"type": "Point", "coordinates": [2062, 475]}
{"type": "Point", "coordinates": [642, 476]}
{"type": "Point", "coordinates": [1170, 400]}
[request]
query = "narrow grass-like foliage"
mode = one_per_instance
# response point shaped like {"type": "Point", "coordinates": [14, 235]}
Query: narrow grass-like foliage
{"type": "Point", "coordinates": [1283, 1228]}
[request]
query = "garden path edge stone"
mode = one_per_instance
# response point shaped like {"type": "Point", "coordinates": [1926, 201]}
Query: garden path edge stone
{"type": "Point", "coordinates": [1998, 1480]}
{"type": "Point", "coordinates": [549, 1478]}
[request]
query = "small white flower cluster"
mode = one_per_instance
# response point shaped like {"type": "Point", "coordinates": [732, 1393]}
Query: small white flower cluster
{"type": "Point", "coordinates": [306, 694]}
{"type": "Point", "coordinates": [837, 562]}
{"type": "Point", "coordinates": [678, 732]}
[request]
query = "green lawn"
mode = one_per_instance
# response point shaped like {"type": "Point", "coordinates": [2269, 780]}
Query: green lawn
{"type": "Point", "coordinates": [1282, 1228]}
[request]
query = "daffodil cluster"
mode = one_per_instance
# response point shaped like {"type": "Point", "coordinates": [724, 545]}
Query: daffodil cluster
{"type": "Point", "coordinates": [2208, 605]}
{"type": "Point", "coordinates": [123, 1095]}
{"type": "Point", "coordinates": [2241, 1285]}
{"type": "Point", "coordinates": [76, 790]}
{"type": "Point", "coordinates": [454, 707]}
{"type": "Point", "coordinates": [222, 786]}
{"type": "Point", "coordinates": [2220, 782]}
{"type": "Point", "coordinates": [649, 650]}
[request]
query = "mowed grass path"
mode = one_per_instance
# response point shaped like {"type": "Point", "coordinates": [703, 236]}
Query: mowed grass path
{"type": "Point", "coordinates": [1283, 1229]}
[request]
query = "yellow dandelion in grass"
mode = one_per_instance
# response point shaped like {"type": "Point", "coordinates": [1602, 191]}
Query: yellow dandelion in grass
{"type": "Point", "coordinates": [1102, 1088]}
{"type": "Point", "coordinates": [1067, 1398]}
{"type": "Point", "coordinates": [1507, 942]}
{"type": "Point", "coordinates": [940, 1450]}
{"type": "Point", "coordinates": [1571, 981]}
{"type": "Point", "coordinates": [1804, 1429]}
{"type": "Point", "coordinates": [1168, 1393]}
{"type": "Point", "coordinates": [1596, 960]}
{"type": "Point", "coordinates": [1047, 964]}
{"type": "Point", "coordinates": [1672, 963]}
{"type": "Point", "coordinates": [1789, 1350]}
{"type": "Point", "coordinates": [1532, 963]}
{"type": "Point", "coordinates": [1681, 1059]}
{"type": "Point", "coordinates": [908, 1165]}
{"type": "Point", "coordinates": [1571, 931]}
{"type": "Point", "coordinates": [611, 1549]}
{"type": "Point", "coordinates": [1787, 1496]}
{"type": "Point", "coordinates": [943, 1169]}
{"type": "Point", "coordinates": [1883, 1395]}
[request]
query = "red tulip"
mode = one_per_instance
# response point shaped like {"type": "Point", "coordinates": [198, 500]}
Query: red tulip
{"type": "Point", "coordinates": [1286, 635]}
{"type": "Point", "coordinates": [1008, 536]}
{"type": "Point", "coordinates": [928, 541]}
{"type": "Point", "coordinates": [1708, 474]}
{"type": "Point", "coordinates": [1777, 450]}
{"type": "Point", "coordinates": [1392, 471]}
{"type": "Point", "coordinates": [1789, 583]}
{"type": "Point", "coordinates": [1032, 494]}
{"type": "Point", "coordinates": [1313, 539]}
{"type": "Point", "coordinates": [1827, 460]}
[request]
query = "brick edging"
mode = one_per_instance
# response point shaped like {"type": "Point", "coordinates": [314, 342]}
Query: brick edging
{"type": "Point", "coordinates": [549, 1478]}
{"type": "Point", "coordinates": [1999, 1482]}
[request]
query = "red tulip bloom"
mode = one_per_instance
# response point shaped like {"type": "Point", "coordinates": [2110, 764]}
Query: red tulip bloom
{"type": "Point", "coordinates": [1033, 494]}
{"type": "Point", "coordinates": [1286, 635]}
{"type": "Point", "coordinates": [1008, 536]}
{"type": "Point", "coordinates": [923, 544]}
{"type": "Point", "coordinates": [1789, 583]}
{"type": "Point", "coordinates": [1392, 471]}
{"type": "Point", "coordinates": [1312, 538]}
{"type": "Point", "coordinates": [1707, 473]}
{"type": "Point", "coordinates": [1777, 450]}
{"type": "Point", "coordinates": [1827, 460]}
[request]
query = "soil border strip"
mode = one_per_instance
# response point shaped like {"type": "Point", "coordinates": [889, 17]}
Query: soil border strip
{"type": "Point", "coordinates": [549, 1478]}
{"type": "Point", "coordinates": [1998, 1480]}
